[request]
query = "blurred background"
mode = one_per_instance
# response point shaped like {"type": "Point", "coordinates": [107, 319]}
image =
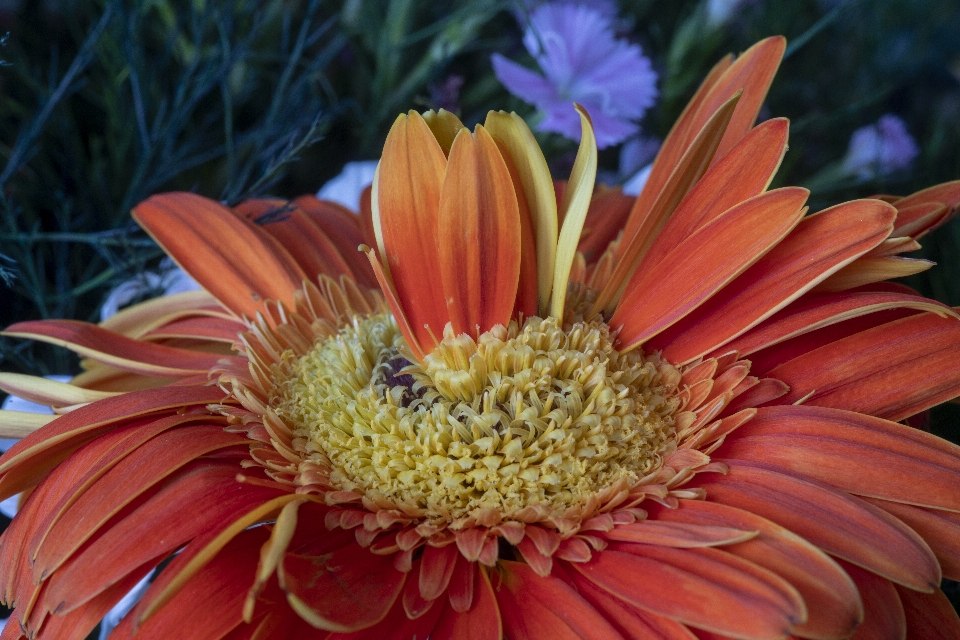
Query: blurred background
{"type": "Point", "coordinates": [104, 103]}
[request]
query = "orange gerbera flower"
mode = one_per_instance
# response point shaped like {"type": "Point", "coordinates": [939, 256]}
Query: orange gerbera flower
{"type": "Point", "coordinates": [675, 417]}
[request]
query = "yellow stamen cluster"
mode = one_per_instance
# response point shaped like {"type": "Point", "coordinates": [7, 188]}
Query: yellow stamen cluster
{"type": "Point", "coordinates": [531, 415]}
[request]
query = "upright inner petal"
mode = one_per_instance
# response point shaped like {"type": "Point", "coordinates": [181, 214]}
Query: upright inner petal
{"type": "Point", "coordinates": [410, 179]}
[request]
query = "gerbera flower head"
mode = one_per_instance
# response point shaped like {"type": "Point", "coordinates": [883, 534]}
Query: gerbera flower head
{"type": "Point", "coordinates": [513, 414]}
{"type": "Point", "coordinates": [582, 61]}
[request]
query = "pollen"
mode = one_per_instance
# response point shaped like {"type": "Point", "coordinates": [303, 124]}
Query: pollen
{"type": "Point", "coordinates": [520, 416]}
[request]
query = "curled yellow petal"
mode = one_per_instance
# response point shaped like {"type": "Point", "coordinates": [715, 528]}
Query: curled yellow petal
{"type": "Point", "coordinates": [576, 201]}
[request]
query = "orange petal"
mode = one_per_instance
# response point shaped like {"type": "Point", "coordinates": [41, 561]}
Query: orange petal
{"type": "Point", "coordinates": [678, 534]}
{"type": "Point", "coordinates": [916, 221]}
{"type": "Point", "coordinates": [947, 193]}
{"type": "Point", "coordinates": [637, 240]}
{"type": "Point", "coordinates": [121, 352]}
{"type": "Point", "coordinates": [527, 288]}
{"type": "Point", "coordinates": [306, 242]}
{"type": "Point", "coordinates": [766, 390]}
{"type": "Point", "coordinates": [628, 620]}
{"type": "Point", "coordinates": [893, 246]}
{"type": "Point", "coordinates": [480, 622]}
{"type": "Point", "coordinates": [765, 360]}
{"type": "Point", "coordinates": [201, 550]}
{"type": "Point", "coordinates": [463, 585]}
{"type": "Point", "coordinates": [702, 588]}
{"type": "Point", "coordinates": [743, 173]}
{"type": "Point", "coordinates": [479, 235]}
{"type": "Point", "coordinates": [407, 216]}
{"type": "Point", "coordinates": [539, 562]}
{"type": "Point", "coordinates": [395, 625]}
{"type": "Point", "coordinates": [16, 580]}
{"type": "Point", "coordinates": [79, 623]}
{"type": "Point", "coordinates": [820, 245]}
{"type": "Point", "coordinates": [940, 529]}
{"type": "Point", "coordinates": [226, 255]}
{"type": "Point", "coordinates": [813, 312]}
{"type": "Point", "coordinates": [883, 612]}
{"type": "Point", "coordinates": [346, 590]}
{"type": "Point", "coordinates": [134, 474]}
{"type": "Point", "coordinates": [684, 130]}
{"type": "Point", "coordinates": [838, 523]}
{"type": "Point", "coordinates": [275, 623]}
{"type": "Point", "coordinates": [199, 328]}
{"type": "Point", "coordinates": [605, 218]}
{"type": "Point", "coordinates": [930, 616]}
{"type": "Point", "coordinates": [833, 605]}
{"type": "Point", "coordinates": [850, 451]}
{"type": "Point", "coordinates": [704, 263]}
{"type": "Point", "coordinates": [403, 323]}
{"type": "Point", "coordinates": [196, 501]}
{"type": "Point", "coordinates": [88, 464]}
{"type": "Point", "coordinates": [436, 569]}
{"type": "Point", "coordinates": [535, 608]}
{"type": "Point", "coordinates": [869, 269]}
{"type": "Point", "coordinates": [212, 601]}
{"type": "Point", "coordinates": [343, 227]}
{"type": "Point", "coordinates": [752, 72]}
{"type": "Point", "coordinates": [29, 460]}
{"type": "Point", "coordinates": [413, 603]}
{"type": "Point", "coordinates": [892, 371]}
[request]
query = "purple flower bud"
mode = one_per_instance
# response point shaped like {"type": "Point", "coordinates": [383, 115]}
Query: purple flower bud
{"type": "Point", "coordinates": [879, 149]}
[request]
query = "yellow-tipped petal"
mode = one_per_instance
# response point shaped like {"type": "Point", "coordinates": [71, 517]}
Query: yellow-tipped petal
{"type": "Point", "coordinates": [49, 392]}
{"type": "Point", "coordinates": [576, 201]}
{"type": "Point", "coordinates": [445, 127]}
{"type": "Point", "coordinates": [20, 424]}
{"type": "Point", "coordinates": [139, 319]}
{"type": "Point", "coordinates": [512, 132]}
{"type": "Point", "coordinates": [272, 553]}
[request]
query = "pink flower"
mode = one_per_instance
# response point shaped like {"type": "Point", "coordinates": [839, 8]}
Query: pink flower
{"type": "Point", "coordinates": [582, 61]}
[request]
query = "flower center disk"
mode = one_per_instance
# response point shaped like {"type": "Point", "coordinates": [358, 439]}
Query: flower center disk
{"type": "Point", "coordinates": [522, 416]}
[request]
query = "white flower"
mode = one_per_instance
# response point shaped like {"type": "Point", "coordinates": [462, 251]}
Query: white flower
{"type": "Point", "coordinates": [170, 279]}
{"type": "Point", "coordinates": [346, 188]}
